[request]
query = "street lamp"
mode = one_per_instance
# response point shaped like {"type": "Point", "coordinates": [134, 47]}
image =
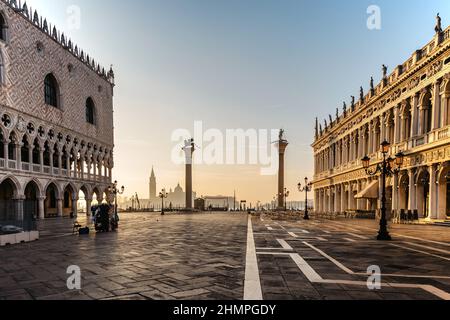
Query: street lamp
{"type": "Point", "coordinates": [163, 195]}
{"type": "Point", "coordinates": [307, 188]}
{"type": "Point", "coordinates": [114, 190]}
{"type": "Point", "coordinates": [386, 168]}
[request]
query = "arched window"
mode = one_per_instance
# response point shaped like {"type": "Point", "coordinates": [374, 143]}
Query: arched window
{"type": "Point", "coordinates": [51, 90]}
{"type": "Point", "coordinates": [90, 111]}
{"type": "Point", "coordinates": [3, 28]}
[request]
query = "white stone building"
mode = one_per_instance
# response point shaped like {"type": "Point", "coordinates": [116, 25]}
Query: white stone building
{"type": "Point", "coordinates": [410, 110]}
{"type": "Point", "coordinates": [56, 119]}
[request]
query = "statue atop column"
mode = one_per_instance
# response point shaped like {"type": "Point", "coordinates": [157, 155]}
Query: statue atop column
{"type": "Point", "coordinates": [353, 103]}
{"type": "Point", "coordinates": [438, 27]}
{"type": "Point", "coordinates": [337, 114]}
{"type": "Point", "coordinates": [281, 135]}
{"type": "Point", "coordinates": [361, 94]}
{"type": "Point", "coordinates": [345, 109]}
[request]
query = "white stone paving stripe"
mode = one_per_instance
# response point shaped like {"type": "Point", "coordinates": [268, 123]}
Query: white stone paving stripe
{"type": "Point", "coordinates": [349, 271]}
{"type": "Point", "coordinates": [420, 251]}
{"type": "Point", "coordinates": [337, 263]}
{"type": "Point", "coordinates": [425, 247]}
{"type": "Point", "coordinates": [349, 240]}
{"type": "Point", "coordinates": [293, 235]}
{"type": "Point", "coordinates": [252, 283]}
{"type": "Point", "coordinates": [307, 270]}
{"type": "Point", "coordinates": [361, 228]}
{"type": "Point", "coordinates": [317, 279]}
{"type": "Point", "coordinates": [284, 244]}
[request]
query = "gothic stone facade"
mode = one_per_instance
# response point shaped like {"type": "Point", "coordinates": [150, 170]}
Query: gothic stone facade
{"type": "Point", "coordinates": [409, 109]}
{"type": "Point", "coordinates": [56, 111]}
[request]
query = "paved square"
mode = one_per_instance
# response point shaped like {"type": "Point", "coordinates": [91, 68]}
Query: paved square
{"type": "Point", "coordinates": [229, 257]}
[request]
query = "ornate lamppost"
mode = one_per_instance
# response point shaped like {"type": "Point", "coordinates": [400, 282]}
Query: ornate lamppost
{"type": "Point", "coordinates": [386, 168]}
{"type": "Point", "coordinates": [307, 188]}
{"type": "Point", "coordinates": [163, 195]}
{"type": "Point", "coordinates": [114, 190]}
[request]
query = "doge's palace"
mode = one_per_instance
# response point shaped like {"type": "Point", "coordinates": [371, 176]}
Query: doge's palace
{"type": "Point", "coordinates": [56, 119]}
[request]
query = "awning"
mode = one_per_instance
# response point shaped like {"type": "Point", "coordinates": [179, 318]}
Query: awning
{"type": "Point", "coordinates": [370, 192]}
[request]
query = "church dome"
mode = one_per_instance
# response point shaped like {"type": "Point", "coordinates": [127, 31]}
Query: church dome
{"type": "Point", "coordinates": [178, 189]}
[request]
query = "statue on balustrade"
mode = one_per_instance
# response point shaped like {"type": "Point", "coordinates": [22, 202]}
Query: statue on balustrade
{"type": "Point", "coordinates": [438, 27]}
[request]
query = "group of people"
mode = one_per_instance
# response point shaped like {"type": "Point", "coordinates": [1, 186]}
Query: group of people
{"type": "Point", "coordinates": [104, 218]}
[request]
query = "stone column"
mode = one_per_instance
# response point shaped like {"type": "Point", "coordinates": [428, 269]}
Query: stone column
{"type": "Point", "coordinates": [41, 158]}
{"type": "Point", "coordinates": [412, 191]}
{"type": "Point", "coordinates": [436, 109]}
{"type": "Point", "coordinates": [318, 205]}
{"type": "Point", "coordinates": [433, 192]}
{"type": "Point", "coordinates": [350, 197]}
{"type": "Point", "coordinates": [383, 127]}
{"type": "Point", "coordinates": [82, 173]}
{"type": "Point", "coordinates": [343, 208]}
{"type": "Point", "coordinates": [30, 155]}
{"type": "Point", "coordinates": [337, 200]}
{"type": "Point", "coordinates": [445, 111]}
{"type": "Point", "coordinates": [189, 150]}
{"type": "Point", "coordinates": [68, 164]}
{"type": "Point", "coordinates": [330, 200]}
{"type": "Point", "coordinates": [362, 144]}
{"type": "Point", "coordinates": [51, 159]}
{"type": "Point", "coordinates": [60, 207]}
{"type": "Point", "coordinates": [396, 125]}
{"type": "Point", "coordinates": [316, 200]}
{"type": "Point", "coordinates": [6, 151]}
{"type": "Point", "coordinates": [282, 145]}
{"type": "Point", "coordinates": [19, 208]}
{"type": "Point", "coordinates": [60, 161]}
{"type": "Point", "coordinates": [395, 200]}
{"type": "Point", "coordinates": [19, 155]}
{"type": "Point", "coordinates": [415, 115]}
{"type": "Point", "coordinates": [89, 169]}
{"type": "Point", "coordinates": [375, 141]}
{"type": "Point", "coordinates": [99, 164]}
{"type": "Point", "coordinates": [94, 169]}
{"type": "Point", "coordinates": [41, 204]}
{"type": "Point", "coordinates": [88, 206]}
{"type": "Point", "coordinates": [75, 206]}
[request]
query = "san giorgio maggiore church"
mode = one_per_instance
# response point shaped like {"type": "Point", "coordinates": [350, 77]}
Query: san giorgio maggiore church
{"type": "Point", "coordinates": [176, 198]}
{"type": "Point", "coordinates": [56, 119]}
{"type": "Point", "coordinates": [410, 109]}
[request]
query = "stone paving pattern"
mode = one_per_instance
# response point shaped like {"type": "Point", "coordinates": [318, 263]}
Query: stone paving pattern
{"type": "Point", "coordinates": [203, 257]}
{"type": "Point", "coordinates": [151, 257]}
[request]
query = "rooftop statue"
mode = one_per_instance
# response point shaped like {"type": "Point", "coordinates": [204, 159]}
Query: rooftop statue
{"type": "Point", "coordinates": [385, 69]}
{"type": "Point", "coordinates": [438, 27]}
